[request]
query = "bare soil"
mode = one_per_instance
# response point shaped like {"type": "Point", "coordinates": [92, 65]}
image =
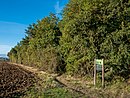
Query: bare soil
{"type": "Point", "coordinates": [14, 80]}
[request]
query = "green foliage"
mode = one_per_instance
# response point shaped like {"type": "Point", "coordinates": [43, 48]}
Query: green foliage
{"type": "Point", "coordinates": [116, 50]}
{"type": "Point", "coordinates": [96, 29]}
{"type": "Point", "coordinates": [39, 47]}
{"type": "Point", "coordinates": [57, 93]}
{"type": "Point", "coordinates": [89, 29]}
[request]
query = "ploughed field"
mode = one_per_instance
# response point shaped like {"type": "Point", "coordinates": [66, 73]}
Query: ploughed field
{"type": "Point", "coordinates": [14, 80]}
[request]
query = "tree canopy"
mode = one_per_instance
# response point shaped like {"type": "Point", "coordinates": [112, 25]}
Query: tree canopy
{"type": "Point", "coordinates": [89, 29]}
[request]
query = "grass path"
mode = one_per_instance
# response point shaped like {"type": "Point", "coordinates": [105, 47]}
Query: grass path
{"type": "Point", "coordinates": [77, 84]}
{"type": "Point", "coordinates": [65, 86]}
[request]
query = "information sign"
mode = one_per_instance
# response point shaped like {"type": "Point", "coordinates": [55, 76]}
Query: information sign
{"type": "Point", "coordinates": [99, 64]}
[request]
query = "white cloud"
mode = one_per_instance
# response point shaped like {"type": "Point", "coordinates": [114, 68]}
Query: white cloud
{"type": "Point", "coordinates": [10, 34]}
{"type": "Point", "coordinates": [12, 27]}
{"type": "Point", "coordinates": [58, 8]}
{"type": "Point", "coordinates": [4, 49]}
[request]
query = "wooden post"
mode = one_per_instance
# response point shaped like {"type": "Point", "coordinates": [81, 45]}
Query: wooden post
{"type": "Point", "coordinates": [94, 72]}
{"type": "Point", "coordinates": [102, 73]}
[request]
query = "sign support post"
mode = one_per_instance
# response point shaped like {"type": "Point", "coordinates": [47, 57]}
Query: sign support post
{"type": "Point", "coordinates": [102, 74]}
{"type": "Point", "coordinates": [94, 72]}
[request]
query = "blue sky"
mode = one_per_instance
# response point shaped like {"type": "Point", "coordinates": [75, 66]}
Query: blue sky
{"type": "Point", "coordinates": [16, 15]}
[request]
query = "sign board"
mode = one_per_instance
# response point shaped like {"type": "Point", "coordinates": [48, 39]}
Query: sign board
{"type": "Point", "coordinates": [99, 63]}
{"type": "Point", "coordinates": [98, 66]}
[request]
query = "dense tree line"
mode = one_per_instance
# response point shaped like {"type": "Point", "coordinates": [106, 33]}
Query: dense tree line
{"type": "Point", "coordinates": [88, 29]}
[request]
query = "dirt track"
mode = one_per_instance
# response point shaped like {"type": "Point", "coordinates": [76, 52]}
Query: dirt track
{"type": "Point", "coordinates": [14, 80]}
{"type": "Point", "coordinates": [64, 81]}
